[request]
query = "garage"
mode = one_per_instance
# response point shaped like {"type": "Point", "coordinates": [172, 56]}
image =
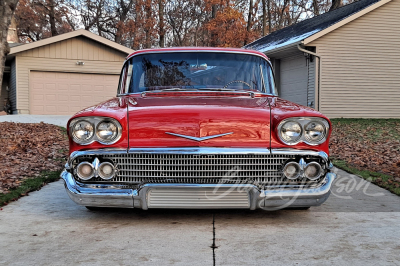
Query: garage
{"type": "Point", "coordinates": [58, 93]}
{"type": "Point", "coordinates": [63, 74]}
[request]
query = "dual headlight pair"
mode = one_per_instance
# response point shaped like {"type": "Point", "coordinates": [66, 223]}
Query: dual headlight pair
{"type": "Point", "coordinates": [86, 130]}
{"type": "Point", "coordinates": [86, 170]}
{"type": "Point", "coordinates": [310, 130]}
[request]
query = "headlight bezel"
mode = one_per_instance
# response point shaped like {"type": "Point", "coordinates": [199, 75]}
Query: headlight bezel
{"type": "Point", "coordinates": [95, 121]}
{"type": "Point", "coordinates": [304, 121]}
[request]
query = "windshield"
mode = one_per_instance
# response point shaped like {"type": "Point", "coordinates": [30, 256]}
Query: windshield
{"type": "Point", "coordinates": [197, 71]}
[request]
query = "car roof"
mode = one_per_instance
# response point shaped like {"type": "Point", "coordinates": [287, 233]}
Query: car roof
{"type": "Point", "coordinates": [197, 49]}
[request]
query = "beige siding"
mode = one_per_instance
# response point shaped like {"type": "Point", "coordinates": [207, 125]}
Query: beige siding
{"type": "Point", "coordinates": [78, 48]}
{"type": "Point", "coordinates": [311, 82]}
{"type": "Point", "coordinates": [4, 92]}
{"type": "Point", "coordinates": [62, 57]}
{"type": "Point", "coordinates": [13, 86]}
{"type": "Point", "coordinates": [360, 67]}
{"type": "Point", "coordinates": [59, 93]}
{"type": "Point", "coordinates": [27, 64]}
{"type": "Point", "coordinates": [293, 79]}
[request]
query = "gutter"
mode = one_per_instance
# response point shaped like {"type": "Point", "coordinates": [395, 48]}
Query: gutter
{"type": "Point", "coordinates": [319, 70]}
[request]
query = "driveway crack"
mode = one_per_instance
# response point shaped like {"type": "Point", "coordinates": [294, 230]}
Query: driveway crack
{"type": "Point", "coordinates": [213, 246]}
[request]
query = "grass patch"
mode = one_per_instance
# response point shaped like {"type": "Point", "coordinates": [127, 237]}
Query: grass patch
{"type": "Point", "coordinates": [379, 179]}
{"type": "Point", "coordinates": [29, 185]}
{"type": "Point", "coordinates": [64, 131]}
{"type": "Point", "coordinates": [371, 129]}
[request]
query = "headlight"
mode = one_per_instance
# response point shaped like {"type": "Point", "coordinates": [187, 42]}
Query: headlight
{"type": "Point", "coordinates": [315, 132]}
{"type": "Point", "coordinates": [291, 132]}
{"type": "Point", "coordinates": [311, 130]}
{"type": "Point", "coordinates": [107, 131]}
{"type": "Point", "coordinates": [86, 130]}
{"type": "Point", "coordinates": [82, 132]}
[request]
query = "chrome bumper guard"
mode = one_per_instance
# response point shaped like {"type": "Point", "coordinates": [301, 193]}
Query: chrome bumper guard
{"type": "Point", "coordinates": [194, 196]}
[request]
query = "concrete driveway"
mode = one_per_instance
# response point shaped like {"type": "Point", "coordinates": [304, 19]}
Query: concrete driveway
{"type": "Point", "coordinates": [58, 120]}
{"type": "Point", "coordinates": [358, 225]}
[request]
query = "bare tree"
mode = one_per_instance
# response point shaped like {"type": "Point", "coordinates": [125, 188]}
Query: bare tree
{"type": "Point", "coordinates": [161, 34]}
{"type": "Point", "coordinates": [336, 4]}
{"type": "Point", "coordinates": [7, 9]}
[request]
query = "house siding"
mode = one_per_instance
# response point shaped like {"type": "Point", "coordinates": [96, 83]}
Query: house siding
{"type": "Point", "coordinates": [297, 77]}
{"type": "Point", "coordinates": [360, 66]}
{"type": "Point", "coordinates": [12, 85]}
{"type": "Point", "coordinates": [62, 57]}
{"type": "Point", "coordinates": [78, 48]}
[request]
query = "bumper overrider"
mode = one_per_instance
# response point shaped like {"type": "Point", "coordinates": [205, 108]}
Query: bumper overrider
{"type": "Point", "coordinates": [197, 195]}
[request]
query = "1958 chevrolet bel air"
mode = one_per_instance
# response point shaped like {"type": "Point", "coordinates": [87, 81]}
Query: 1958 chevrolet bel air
{"type": "Point", "coordinates": [198, 128]}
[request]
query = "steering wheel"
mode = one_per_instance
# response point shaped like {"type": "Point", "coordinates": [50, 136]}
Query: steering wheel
{"type": "Point", "coordinates": [237, 81]}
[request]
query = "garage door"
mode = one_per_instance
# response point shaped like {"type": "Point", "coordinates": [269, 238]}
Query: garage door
{"type": "Point", "coordinates": [57, 93]}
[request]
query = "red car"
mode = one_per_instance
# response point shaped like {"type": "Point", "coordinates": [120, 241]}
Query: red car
{"type": "Point", "coordinates": [198, 128]}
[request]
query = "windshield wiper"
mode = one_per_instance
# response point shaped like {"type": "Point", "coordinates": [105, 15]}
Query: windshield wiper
{"type": "Point", "coordinates": [178, 89]}
{"type": "Point", "coordinates": [216, 89]}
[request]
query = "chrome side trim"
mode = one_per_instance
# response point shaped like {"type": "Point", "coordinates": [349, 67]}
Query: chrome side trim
{"type": "Point", "coordinates": [198, 150]}
{"type": "Point", "coordinates": [201, 150]}
{"type": "Point", "coordinates": [301, 153]}
{"type": "Point", "coordinates": [198, 139]}
{"type": "Point", "coordinates": [75, 154]}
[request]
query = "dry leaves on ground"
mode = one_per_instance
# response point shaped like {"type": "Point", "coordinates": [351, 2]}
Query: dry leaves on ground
{"type": "Point", "coordinates": [28, 149]}
{"type": "Point", "coordinates": [372, 145]}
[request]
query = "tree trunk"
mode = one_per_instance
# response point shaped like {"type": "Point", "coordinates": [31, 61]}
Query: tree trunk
{"type": "Point", "coordinates": [249, 19]}
{"type": "Point", "coordinates": [315, 7]}
{"type": "Point", "coordinates": [264, 18]}
{"type": "Point", "coordinates": [147, 10]}
{"type": "Point", "coordinates": [336, 4]}
{"type": "Point", "coordinates": [269, 16]}
{"type": "Point", "coordinates": [213, 36]}
{"type": "Point", "coordinates": [52, 18]}
{"type": "Point", "coordinates": [7, 8]}
{"type": "Point", "coordinates": [161, 41]}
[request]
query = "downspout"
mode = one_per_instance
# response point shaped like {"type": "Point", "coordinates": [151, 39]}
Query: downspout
{"type": "Point", "coordinates": [319, 70]}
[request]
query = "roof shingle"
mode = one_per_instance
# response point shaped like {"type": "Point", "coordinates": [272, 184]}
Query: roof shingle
{"type": "Point", "coordinates": [304, 29]}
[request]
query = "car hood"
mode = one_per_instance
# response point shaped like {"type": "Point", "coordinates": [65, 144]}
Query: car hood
{"type": "Point", "coordinates": [239, 121]}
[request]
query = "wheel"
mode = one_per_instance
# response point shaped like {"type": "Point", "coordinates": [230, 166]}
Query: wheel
{"type": "Point", "coordinates": [90, 208]}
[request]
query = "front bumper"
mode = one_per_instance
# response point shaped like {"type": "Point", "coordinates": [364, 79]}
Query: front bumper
{"type": "Point", "coordinates": [194, 196]}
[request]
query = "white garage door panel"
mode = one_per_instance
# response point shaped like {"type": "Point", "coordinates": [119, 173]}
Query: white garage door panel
{"type": "Point", "coordinates": [56, 93]}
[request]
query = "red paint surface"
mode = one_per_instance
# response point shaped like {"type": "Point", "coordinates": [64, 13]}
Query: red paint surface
{"type": "Point", "coordinates": [246, 117]}
{"type": "Point", "coordinates": [199, 114]}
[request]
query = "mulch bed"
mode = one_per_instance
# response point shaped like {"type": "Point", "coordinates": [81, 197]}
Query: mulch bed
{"type": "Point", "coordinates": [26, 150]}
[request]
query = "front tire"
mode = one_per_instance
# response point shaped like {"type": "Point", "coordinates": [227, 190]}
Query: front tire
{"type": "Point", "coordinates": [90, 208]}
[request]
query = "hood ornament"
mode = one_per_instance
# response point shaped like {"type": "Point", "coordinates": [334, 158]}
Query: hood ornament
{"type": "Point", "coordinates": [198, 139]}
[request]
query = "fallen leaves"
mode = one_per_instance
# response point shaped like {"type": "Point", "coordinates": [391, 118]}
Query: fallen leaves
{"type": "Point", "coordinates": [28, 149]}
{"type": "Point", "coordinates": [372, 144]}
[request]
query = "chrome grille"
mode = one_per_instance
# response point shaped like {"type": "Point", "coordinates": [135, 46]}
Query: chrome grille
{"type": "Point", "coordinates": [263, 169]}
{"type": "Point", "coordinates": [197, 198]}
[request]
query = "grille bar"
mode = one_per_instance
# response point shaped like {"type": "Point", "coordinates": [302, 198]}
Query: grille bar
{"type": "Point", "coordinates": [199, 168]}
{"type": "Point", "coordinates": [197, 198]}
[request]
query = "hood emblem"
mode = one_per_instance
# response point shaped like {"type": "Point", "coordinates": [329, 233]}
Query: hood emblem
{"type": "Point", "coordinates": [199, 139]}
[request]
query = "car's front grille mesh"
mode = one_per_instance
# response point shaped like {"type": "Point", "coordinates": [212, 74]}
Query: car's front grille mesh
{"type": "Point", "coordinates": [201, 168]}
